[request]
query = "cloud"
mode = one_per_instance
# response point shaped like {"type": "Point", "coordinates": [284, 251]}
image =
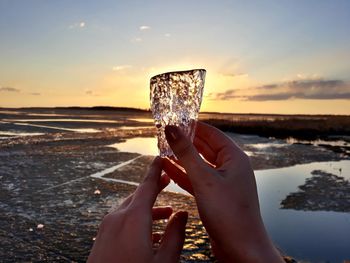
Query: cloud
{"type": "Point", "coordinates": [232, 68]}
{"type": "Point", "coordinates": [143, 28]}
{"type": "Point", "coordinates": [8, 89]}
{"type": "Point", "coordinates": [226, 95]}
{"type": "Point", "coordinates": [91, 93]}
{"type": "Point", "coordinates": [35, 93]}
{"type": "Point", "coordinates": [121, 67]}
{"type": "Point", "coordinates": [314, 76]}
{"type": "Point", "coordinates": [78, 25]}
{"type": "Point", "coordinates": [313, 89]}
{"type": "Point", "coordinates": [167, 35]}
{"type": "Point", "coordinates": [235, 75]}
{"type": "Point", "coordinates": [136, 40]}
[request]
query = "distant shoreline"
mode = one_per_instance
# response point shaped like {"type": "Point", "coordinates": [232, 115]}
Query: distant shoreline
{"type": "Point", "coordinates": [96, 108]}
{"type": "Point", "coordinates": [115, 108]}
{"type": "Point", "coordinates": [282, 126]}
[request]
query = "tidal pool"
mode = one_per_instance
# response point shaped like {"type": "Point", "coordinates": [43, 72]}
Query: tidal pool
{"type": "Point", "coordinates": [316, 236]}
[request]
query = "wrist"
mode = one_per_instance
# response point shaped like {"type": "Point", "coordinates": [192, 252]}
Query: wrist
{"type": "Point", "coordinates": [261, 254]}
{"type": "Point", "coordinates": [256, 248]}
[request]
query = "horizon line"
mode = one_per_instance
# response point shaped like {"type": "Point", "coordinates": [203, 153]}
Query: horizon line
{"type": "Point", "coordinates": [148, 110]}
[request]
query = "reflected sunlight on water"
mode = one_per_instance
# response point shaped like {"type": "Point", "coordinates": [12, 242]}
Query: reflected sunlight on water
{"type": "Point", "coordinates": [145, 146]}
{"type": "Point", "coordinates": [6, 133]}
{"type": "Point", "coordinates": [142, 120]}
{"type": "Point", "coordinates": [63, 120]}
{"type": "Point", "coordinates": [80, 130]}
{"type": "Point", "coordinates": [141, 145]}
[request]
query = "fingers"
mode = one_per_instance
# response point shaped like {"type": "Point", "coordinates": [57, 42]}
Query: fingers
{"type": "Point", "coordinates": [186, 153]}
{"type": "Point", "coordinates": [164, 181]}
{"type": "Point", "coordinates": [126, 202]}
{"type": "Point", "coordinates": [161, 212]}
{"type": "Point", "coordinates": [177, 175]}
{"type": "Point", "coordinates": [157, 214]}
{"type": "Point", "coordinates": [213, 142]}
{"type": "Point", "coordinates": [173, 239]}
{"type": "Point", "coordinates": [147, 192]}
{"type": "Point", "coordinates": [215, 139]}
{"type": "Point", "coordinates": [205, 150]}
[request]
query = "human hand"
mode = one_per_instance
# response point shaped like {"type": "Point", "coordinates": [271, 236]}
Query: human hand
{"type": "Point", "coordinates": [125, 235]}
{"type": "Point", "coordinates": [225, 191]}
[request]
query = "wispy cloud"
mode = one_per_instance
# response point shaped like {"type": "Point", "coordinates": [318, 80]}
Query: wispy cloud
{"type": "Point", "coordinates": [77, 25]}
{"type": "Point", "coordinates": [232, 68]}
{"type": "Point", "coordinates": [9, 89]}
{"type": "Point", "coordinates": [91, 93]}
{"type": "Point", "coordinates": [121, 67]}
{"type": "Point", "coordinates": [136, 40]}
{"type": "Point", "coordinates": [143, 28]}
{"type": "Point", "coordinates": [315, 89]}
{"type": "Point", "coordinates": [35, 93]}
{"type": "Point", "coordinates": [236, 75]}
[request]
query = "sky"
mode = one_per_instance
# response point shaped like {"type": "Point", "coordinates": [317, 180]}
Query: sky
{"type": "Point", "coordinates": [283, 57]}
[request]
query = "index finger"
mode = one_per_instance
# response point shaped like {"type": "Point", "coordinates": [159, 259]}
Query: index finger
{"type": "Point", "coordinates": [215, 145]}
{"type": "Point", "coordinates": [216, 139]}
{"type": "Point", "coordinates": [147, 192]}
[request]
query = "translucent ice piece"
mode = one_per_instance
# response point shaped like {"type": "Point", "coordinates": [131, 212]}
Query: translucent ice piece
{"type": "Point", "coordinates": [175, 100]}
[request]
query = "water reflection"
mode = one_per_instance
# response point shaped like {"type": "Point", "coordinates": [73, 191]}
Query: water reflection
{"type": "Point", "coordinates": [305, 235]}
{"type": "Point", "coordinates": [308, 235]}
{"type": "Point", "coordinates": [141, 145]}
{"type": "Point", "coordinates": [133, 127]}
{"type": "Point", "coordinates": [64, 120]}
{"type": "Point", "coordinates": [148, 120]}
{"type": "Point", "coordinates": [8, 134]}
{"type": "Point", "coordinates": [319, 142]}
{"type": "Point", "coordinates": [80, 130]}
{"type": "Point", "coordinates": [264, 146]}
{"type": "Point", "coordinates": [145, 146]}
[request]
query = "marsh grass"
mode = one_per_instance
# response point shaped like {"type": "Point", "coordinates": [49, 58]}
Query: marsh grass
{"type": "Point", "coordinates": [298, 126]}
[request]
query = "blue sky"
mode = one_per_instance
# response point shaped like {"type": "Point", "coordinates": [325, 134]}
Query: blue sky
{"type": "Point", "coordinates": [93, 52]}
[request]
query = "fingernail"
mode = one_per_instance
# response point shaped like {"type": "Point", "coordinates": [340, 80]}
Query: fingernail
{"type": "Point", "coordinates": [171, 133]}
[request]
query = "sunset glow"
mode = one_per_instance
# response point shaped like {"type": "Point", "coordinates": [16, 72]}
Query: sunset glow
{"type": "Point", "coordinates": [261, 57]}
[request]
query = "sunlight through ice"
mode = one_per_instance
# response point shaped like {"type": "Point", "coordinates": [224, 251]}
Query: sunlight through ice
{"type": "Point", "coordinates": [176, 98]}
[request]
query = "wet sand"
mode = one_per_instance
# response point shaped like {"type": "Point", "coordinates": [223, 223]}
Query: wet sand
{"type": "Point", "coordinates": [46, 182]}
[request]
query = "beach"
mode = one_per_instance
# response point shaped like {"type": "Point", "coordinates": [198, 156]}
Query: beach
{"type": "Point", "coordinates": [62, 170]}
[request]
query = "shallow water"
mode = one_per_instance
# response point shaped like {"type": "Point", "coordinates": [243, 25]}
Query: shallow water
{"type": "Point", "coordinates": [145, 146]}
{"type": "Point", "coordinates": [305, 235]}
{"type": "Point", "coordinates": [81, 130]}
{"type": "Point", "coordinates": [319, 142]}
{"type": "Point", "coordinates": [8, 133]}
{"type": "Point", "coordinates": [141, 145]}
{"type": "Point", "coordinates": [132, 127]}
{"type": "Point", "coordinates": [63, 120]}
{"type": "Point", "coordinates": [148, 120]}
{"type": "Point", "coordinates": [308, 235]}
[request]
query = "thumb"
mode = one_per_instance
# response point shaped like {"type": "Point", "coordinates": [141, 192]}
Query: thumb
{"type": "Point", "coordinates": [174, 237]}
{"type": "Point", "coordinates": [185, 152]}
